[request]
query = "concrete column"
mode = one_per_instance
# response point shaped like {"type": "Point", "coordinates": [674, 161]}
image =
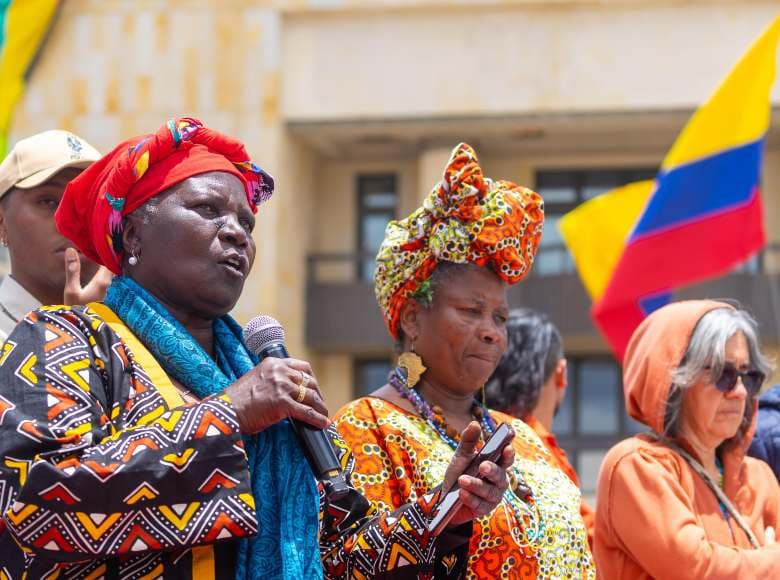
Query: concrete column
{"type": "Point", "coordinates": [430, 168]}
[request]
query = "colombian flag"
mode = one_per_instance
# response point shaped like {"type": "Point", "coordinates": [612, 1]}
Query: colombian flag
{"type": "Point", "coordinates": [700, 217]}
{"type": "Point", "coordinates": [23, 28]}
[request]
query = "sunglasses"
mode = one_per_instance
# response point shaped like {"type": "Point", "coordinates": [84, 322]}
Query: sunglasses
{"type": "Point", "coordinates": [727, 381]}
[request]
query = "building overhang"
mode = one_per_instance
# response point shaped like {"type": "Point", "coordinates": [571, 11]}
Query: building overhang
{"type": "Point", "coordinates": [554, 133]}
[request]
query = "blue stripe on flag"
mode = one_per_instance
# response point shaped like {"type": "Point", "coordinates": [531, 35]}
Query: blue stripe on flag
{"type": "Point", "coordinates": [704, 187]}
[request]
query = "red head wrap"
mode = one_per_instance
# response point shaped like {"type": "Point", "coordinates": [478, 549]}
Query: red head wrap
{"type": "Point", "coordinates": [91, 211]}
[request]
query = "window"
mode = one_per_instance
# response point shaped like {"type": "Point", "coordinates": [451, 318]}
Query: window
{"type": "Point", "coordinates": [370, 374]}
{"type": "Point", "coordinates": [377, 201]}
{"type": "Point", "coordinates": [562, 192]}
{"type": "Point", "coordinates": [592, 417]}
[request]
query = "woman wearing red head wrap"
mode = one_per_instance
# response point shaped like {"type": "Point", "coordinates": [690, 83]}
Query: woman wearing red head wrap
{"type": "Point", "coordinates": [145, 439]}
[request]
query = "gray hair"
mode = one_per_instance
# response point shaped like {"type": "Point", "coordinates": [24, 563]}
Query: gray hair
{"type": "Point", "coordinates": [706, 354]}
{"type": "Point", "coordinates": [534, 349]}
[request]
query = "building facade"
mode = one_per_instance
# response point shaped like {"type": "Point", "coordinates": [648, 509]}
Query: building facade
{"type": "Point", "coordinates": [354, 106]}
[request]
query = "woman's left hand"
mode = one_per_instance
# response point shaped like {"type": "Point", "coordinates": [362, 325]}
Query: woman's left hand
{"type": "Point", "coordinates": [94, 291]}
{"type": "Point", "coordinates": [479, 495]}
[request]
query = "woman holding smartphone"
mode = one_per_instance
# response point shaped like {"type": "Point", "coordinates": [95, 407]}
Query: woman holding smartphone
{"type": "Point", "coordinates": [441, 281]}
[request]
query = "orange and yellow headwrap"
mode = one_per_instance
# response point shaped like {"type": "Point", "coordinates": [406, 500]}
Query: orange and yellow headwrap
{"type": "Point", "coordinates": [466, 218]}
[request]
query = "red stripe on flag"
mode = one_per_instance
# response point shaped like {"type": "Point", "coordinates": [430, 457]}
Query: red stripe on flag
{"type": "Point", "coordinates": [674, 258]}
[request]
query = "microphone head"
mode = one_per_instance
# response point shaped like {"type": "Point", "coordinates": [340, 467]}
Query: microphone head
{"type": "Point", "coordinates": [261, 332]}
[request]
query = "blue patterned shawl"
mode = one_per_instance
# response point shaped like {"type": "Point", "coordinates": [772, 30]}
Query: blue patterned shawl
{"type": "Point", "coordinates": [282, 482]}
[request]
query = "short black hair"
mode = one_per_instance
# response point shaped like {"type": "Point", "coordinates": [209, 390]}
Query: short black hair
{"type": "Point", "coordinates": [533, 351]}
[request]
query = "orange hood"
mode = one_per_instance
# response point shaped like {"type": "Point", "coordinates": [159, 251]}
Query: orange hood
{"type": "Point", "coordinates": [654, 352]}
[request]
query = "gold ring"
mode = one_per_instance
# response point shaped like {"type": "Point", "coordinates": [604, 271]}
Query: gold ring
{"type": "Point", "coordinates": [304, 379]}
{"type": "Point", "coordinates": [301, 393]}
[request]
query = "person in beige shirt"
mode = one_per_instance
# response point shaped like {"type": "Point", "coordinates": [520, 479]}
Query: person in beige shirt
{"type": "Point", "coordinates": [45, 269]}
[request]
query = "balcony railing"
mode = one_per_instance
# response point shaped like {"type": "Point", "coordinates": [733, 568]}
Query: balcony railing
{"type": "Point", "coordinates": [342, 314]}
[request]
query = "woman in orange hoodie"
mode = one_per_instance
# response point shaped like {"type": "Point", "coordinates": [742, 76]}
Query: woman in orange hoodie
{"type": "Point", "coordinates": [683, 501]}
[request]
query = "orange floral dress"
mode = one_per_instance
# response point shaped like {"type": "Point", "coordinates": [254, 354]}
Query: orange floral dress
{"type": "Point", "coordinates": [399, 457]}
{"type": "Point", "coordinates": [559, 455]}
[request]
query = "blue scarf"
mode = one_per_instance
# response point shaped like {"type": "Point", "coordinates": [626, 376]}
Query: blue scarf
{"type": "Point", "coordinates": [282, 482]}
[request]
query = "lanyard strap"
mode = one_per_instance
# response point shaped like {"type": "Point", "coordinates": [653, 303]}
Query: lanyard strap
{"type": "Point", "coordinates": [719, 493]}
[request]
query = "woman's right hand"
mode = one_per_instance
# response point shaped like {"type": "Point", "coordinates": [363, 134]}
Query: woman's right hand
{"type": "Point", "coordinates": [269, 392]}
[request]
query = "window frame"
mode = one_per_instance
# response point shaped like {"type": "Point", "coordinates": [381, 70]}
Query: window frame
{"type": "Point", "coordinates": [364, 211]}
{"type": "Point", "coordinates": [575, 442]}
{"type": "Point", "coordinates": [359, 390]}
{"type": "Point", "coordinates": [578, 182]}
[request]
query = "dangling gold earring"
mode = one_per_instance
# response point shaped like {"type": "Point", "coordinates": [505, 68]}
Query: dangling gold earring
{"type": "Point", "coordinates": [411, 362]}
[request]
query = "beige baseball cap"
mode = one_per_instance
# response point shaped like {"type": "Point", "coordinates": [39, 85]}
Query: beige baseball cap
{"type": "Point", "coordinates": [36, 159]}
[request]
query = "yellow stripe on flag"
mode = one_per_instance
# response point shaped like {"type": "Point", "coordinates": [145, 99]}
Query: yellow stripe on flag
{"type": "Point", "coordinates": [596, 231]}
{"type": "Point", "coordinates": [726, 120]}
{"type": "Point", "coordinates": [26, 25]}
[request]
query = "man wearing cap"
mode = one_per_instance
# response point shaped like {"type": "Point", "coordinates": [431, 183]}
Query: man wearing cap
{"type": "Point", "coordinates": [45, 269]}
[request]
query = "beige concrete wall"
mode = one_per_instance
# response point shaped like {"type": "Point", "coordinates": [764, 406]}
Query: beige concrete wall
{"type": "Point", "coordinates": [334, 198]}
{"type": "Point", "coordinates": [334, 373]}
{"type": "Point", "coordinates": [771, 198]}
{"type": "Point", "coordinates": [518, 57]}
{"type": "Point", "coordinates": [113, 68]}
{"type": "Point", "coordinates": [283, 235]}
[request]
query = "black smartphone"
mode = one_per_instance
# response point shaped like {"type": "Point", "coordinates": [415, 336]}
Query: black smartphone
{"type": "Point", "coordinates": [491, 451]}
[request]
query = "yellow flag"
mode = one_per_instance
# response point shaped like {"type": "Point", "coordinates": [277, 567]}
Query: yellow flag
{"type": "Point", "coordinates": [737, 112]}
{"type": "Point", "coordinates": [26, 25]}
{"type": "Point", "coordinates": [596, 231]}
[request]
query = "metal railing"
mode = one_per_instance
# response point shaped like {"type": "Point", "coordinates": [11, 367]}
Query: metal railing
{"type": "Point", "coordinates": [551, 260]}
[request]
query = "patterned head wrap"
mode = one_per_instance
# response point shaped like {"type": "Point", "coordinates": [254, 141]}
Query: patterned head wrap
{"type": "Point", "coordinates": [466, 218]}
{"type": "Point", "coordinates": [94, 203]}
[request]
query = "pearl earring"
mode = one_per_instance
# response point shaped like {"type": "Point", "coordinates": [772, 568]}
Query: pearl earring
{"type": "Point", "coordinates": [132, 260]}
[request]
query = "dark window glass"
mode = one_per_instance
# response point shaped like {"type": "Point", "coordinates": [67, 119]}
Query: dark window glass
{"type": "Point", "coordinates": [633, 426]}
{"type": "Point", "coordinates": [588, 465]}
{"type": "Point", "coordinates": [370, 374]}
{"type": "Point", "coordinates": [563, 190]}
{"type": "Point", "coordinates": [552, 257]}
{"type": "Point", "coordinates": [563, 424]}
{"type": "Point", "coordinates": [592, 417]}
{"type": "Point", "coordinates": [598, 390]}
{"type": "Point", "coordinates": [377, 202]}
{"type": "Point", "coordinates": [556, 187]}
{"type": "Point", "coordinates": [753, 265]}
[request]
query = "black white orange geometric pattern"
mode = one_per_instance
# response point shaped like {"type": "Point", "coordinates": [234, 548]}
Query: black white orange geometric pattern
{"type": "Point", "coordinates": [94, 465]}
{"type": "Point", "coordinates": [385, 544]}
{"type": "Point", "coordinates": [99, 476]}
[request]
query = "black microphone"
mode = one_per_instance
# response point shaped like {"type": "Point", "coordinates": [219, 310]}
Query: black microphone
{"type": "Point", "coordinates": [264, 336]}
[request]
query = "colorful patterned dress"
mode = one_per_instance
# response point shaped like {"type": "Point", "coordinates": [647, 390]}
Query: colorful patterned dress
{"type": "Point", "coordinates": [104, 474]}
{"type": "Point", "coordinates": [399, 457]}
